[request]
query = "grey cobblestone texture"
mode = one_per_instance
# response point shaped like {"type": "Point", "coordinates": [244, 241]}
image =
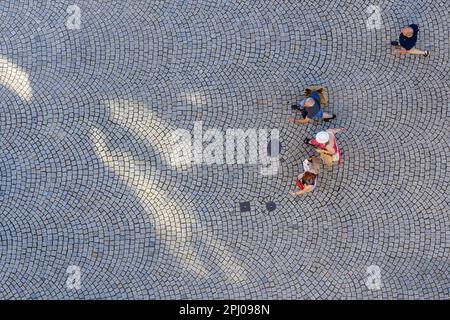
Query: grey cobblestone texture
{"type": "Point", "coordinates": [85, 177]}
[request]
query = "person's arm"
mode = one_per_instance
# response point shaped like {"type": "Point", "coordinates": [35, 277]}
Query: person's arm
{"type": "Point", "coordinates": [301, 121]}
{"type": "Point", "coordinates": [336, 130]}
{"type": "Point", "coordinates": [402, 50]}
{"type": "Point", "coordinates": [300, 192]}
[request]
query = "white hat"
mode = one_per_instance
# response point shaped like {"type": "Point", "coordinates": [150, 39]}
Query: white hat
{"type": "Point", "coordinates": [322, 137]}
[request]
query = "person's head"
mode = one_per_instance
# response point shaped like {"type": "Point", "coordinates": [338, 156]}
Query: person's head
{"type": "Point", "coordinates": [408, 32]}
{"type": "Point", "coordinates": [308, 176]}
{"type": "Point", "coordinates": [322, 137]}
{"type": "Point", "coordinates": [306, 179]}
{"type": "Point", "coordinates": [309, 102]}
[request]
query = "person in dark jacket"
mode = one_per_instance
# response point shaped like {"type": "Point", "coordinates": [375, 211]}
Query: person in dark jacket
{"type": "Point", "coordinates": [407, 41]}
{"type": "Point", "coordinates": [311, 110]}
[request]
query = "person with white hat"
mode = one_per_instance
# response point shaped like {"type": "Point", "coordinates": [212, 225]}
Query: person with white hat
{"type": "Point", "coordinates": [327, 146]}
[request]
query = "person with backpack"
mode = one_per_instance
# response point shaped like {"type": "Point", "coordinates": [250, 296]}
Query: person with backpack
{"type": "Point", "coordinates": [311, 109]}
{"type": "Point", "coordinates": [307, 181]}
{"type": "Point", "coordinates": [327, 146]}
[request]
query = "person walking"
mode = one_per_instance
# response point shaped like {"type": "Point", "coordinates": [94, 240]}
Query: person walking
{"type": "Point", "coordinates": [307, 181]}
{"type": "Point", "coordinates": [311, 110]}
{"type": "Point", "coordinates": [407, 41]}
{"type": "Point", "coordinates": [327, 146]}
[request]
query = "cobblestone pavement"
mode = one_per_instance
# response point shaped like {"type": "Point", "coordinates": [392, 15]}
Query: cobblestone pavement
{"type": "Point", "coordinates": [86, 178]}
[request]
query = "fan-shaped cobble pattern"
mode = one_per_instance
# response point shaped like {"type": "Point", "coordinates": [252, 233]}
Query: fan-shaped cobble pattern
{"type": "Point", "coordinates": [87, 180]}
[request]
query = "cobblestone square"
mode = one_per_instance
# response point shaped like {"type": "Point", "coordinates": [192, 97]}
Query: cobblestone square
{"type": "Point", "coordinates": [93, 207]}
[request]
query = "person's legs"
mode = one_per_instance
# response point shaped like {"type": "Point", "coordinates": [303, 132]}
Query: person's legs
{"type": "Point", "coordinates": [416, 51]}
{"type": "Point", "coordinates": [327, 116]}
{"type": "Point", "coordinates": [413, 51]}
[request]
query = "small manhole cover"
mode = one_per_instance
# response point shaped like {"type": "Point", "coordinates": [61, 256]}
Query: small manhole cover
{"type": "Point", "coordinates": [244, 206]}
{"type": "Point", "coordinates": [270, 206]}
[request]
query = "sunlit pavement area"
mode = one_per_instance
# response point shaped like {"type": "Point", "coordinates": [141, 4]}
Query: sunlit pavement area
{"type": "Point", "coordinates": [88, 190]}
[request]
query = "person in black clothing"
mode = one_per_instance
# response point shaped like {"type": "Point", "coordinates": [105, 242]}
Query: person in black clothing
{"type": "Point", "coordinates": [407, 41]}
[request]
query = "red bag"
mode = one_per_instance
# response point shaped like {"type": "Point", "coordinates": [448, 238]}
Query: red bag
{"type": "Point", "coordinates": [299, 184]}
